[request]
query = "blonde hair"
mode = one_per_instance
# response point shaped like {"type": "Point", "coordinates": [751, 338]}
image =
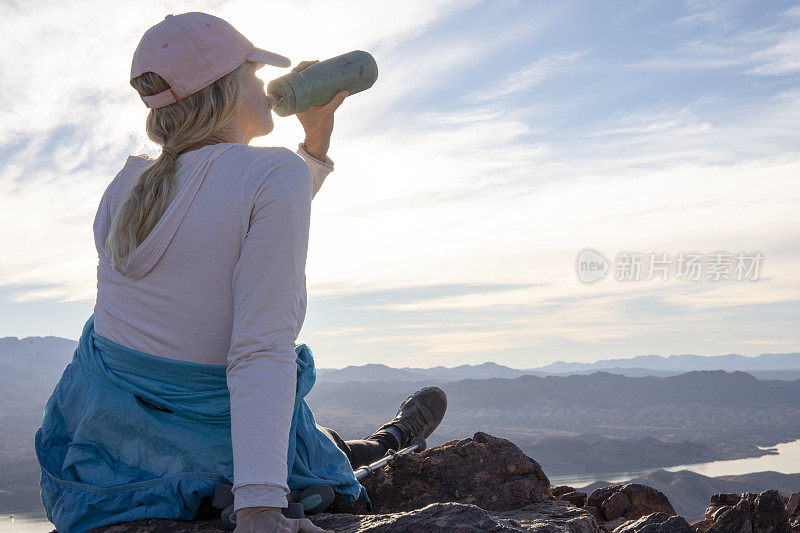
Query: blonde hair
{"type": "Point", "coordinates": [175, 127]}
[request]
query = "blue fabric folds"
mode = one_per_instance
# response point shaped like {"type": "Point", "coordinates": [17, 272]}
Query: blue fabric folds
{"type": "Point", "coordinates": [128, 435]}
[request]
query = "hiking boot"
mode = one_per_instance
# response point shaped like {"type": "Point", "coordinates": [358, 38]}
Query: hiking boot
{"type": "Point", "coordinates": [418, 416]}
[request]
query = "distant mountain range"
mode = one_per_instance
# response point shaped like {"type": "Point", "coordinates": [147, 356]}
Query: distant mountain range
{"type": "Point", "coordinates": [379, 372]}
{"type": "Point", "coordinates": [42, 356]}
{"type": "Point", "coordinates": [766, 366]}
{"type": "Point", "coordinates": [47, 356]}
{"type": "Point", "coordinates": [714, 407]}
{"type": "Point", "coordinates": [684, 363]}
{"type": "Point", "coordinates": [29, 370]}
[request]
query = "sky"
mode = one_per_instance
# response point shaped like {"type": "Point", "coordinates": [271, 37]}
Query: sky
{"type": "Point", "coordinates": [501, 140]}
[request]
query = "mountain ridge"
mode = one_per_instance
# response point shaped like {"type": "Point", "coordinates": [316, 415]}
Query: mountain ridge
{"type": "Point", "coordinates": [769, 366]}
{"type": "Point", "coordinates": [59, 349]}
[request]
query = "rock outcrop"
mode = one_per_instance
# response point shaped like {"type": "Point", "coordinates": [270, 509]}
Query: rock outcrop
{"type": "Point", "coordinates": [550, 516]}
{"type": "Point", "coordinates": [486, 483]}
{"type": "Point", "coordinates": [656, 523]}
{"type": "Point", "coordinates": [767, 512]}
{"type": "Point", "coordinates": [484, 470]}
{"type": "Point", "coordinates": [627, 507]}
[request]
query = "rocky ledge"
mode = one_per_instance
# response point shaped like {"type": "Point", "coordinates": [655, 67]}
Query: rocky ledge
{"type": "Point", "coordinates": [485, 483]}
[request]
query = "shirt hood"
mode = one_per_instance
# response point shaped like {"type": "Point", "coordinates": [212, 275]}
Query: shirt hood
{"type": "Point", "coordinates": [149, 251]}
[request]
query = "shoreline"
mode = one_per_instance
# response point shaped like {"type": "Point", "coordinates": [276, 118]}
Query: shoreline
{"type": "Point", "coordinates": [698, 467]}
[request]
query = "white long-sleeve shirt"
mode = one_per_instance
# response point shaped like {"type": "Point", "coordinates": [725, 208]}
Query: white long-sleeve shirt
{"type": "Point", "coordinates": [223, 282]}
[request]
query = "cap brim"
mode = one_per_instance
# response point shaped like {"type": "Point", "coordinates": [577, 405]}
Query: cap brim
{"type": "Point", "coordinates": [268, 58]}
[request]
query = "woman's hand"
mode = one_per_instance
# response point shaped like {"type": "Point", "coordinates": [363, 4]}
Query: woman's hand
{"type": "Point", "coordinates": [270, 520]}
{"type": "Point", "coordinates": [317, 121]}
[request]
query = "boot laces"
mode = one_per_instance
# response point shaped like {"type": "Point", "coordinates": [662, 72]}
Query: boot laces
{"type": "Point", "coordinates": [416, 421]}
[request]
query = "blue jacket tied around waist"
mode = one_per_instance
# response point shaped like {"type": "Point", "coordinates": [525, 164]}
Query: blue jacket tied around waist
{"type": "Point", "coordinates": [127, 435]}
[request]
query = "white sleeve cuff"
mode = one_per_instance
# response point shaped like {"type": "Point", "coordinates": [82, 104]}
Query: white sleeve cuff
{"type": "Point", "coordinates": [252, 495]}
{"type": "Point", "coordinates": [319, 169]}
{"type": "Point", "coordinates": [326, 165]}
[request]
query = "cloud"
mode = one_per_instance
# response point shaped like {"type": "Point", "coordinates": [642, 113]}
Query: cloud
{"type": "Point", "coordinates": [530, 75]}
{"type": "Point", "coordinates": [466, 179]}
{"type": "Point", "coordinates": [717, 12]}
{"type": "Point", "coordinates": [728, 42]}
{"type": "Point", "coordinates": [782, 57]}
{"type": "Point", "coordinates": [582, 326]}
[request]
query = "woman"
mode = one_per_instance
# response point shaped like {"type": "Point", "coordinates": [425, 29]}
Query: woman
{"type": "Point", "coordinates": [189, 362]}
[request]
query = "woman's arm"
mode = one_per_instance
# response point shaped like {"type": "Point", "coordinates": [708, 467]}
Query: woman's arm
{"type": "Point", "coordinates": [317, 122]}
{"type": "Point", "coordinates": [269, 308]}
{"type": "Point", "coordinates": [319, 169]}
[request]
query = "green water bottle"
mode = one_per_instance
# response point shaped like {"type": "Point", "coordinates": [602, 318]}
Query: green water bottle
{"type": "Point", "coordinates": [316, 84]}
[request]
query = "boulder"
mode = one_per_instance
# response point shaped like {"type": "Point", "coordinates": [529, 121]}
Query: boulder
{"type": "Point", "coordinates": [483, 470]}
{"type": "Point", "coordinates": [561, 489]}
{"type": "Point", "coordinates": [702, 525]}
{"type": "Point", "coordinates": [632, 500]}
{"type": "Point", "coordinates": [725, 498]}
{"type": "Point", "coordinates": [748, 512]}
{"type": "Point", "coordinates": [793, 506]}
{"type": "Point", "coordinates": [656, 523]}
{"type": "Point", "coordinates": [734, 519]}
{"type": "Point", "coordinates": [615, 506]}
{"type": "Point", "coordinates": [552, 516]}
{"type": "Point", "coordinates": [595, 513]}
{"type": "Point", "coordinates": [769, 513]}
{"type": "Point", "coordinates": [611, 525]}
{"type": "Point", "coordinates": [576, 498]}
{"type": "Point", "coordinates": [793, 510]}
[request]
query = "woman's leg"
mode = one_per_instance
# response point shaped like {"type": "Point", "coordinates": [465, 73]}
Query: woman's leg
{"type": "Point", "coordinates": [362, 452]}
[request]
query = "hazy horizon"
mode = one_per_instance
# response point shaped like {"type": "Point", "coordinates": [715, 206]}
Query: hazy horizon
{"type": "Point", "coordinates": [588, 362]}
{"type": "Point", "coordinates": [499, 141]}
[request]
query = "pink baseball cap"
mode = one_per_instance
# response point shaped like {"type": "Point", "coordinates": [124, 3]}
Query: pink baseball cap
{"type": "Point", "coordinates": [191, 51]}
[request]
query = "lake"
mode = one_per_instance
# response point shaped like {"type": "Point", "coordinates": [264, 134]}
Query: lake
{"type": "Point", "coordinates": [25, 523]}
{"type": "Point", "coordinates": [786, 461]}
